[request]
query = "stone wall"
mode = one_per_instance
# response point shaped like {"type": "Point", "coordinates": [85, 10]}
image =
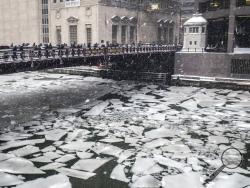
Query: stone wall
{"type": "Point", "coordinates": [19, 21]}
{"type": "Point", "coordinates": [209, 64]}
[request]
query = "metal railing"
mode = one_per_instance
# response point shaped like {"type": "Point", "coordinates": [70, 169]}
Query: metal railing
{"type": "Point", "coordinates": [30, 54]}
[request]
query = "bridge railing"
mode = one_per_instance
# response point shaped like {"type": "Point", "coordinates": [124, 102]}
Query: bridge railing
{"type": "Point", "coordinates": [55, 53]}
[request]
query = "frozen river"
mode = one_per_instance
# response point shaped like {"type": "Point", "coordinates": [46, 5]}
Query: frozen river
{"type": "Point", "coordinates": [68, 131]}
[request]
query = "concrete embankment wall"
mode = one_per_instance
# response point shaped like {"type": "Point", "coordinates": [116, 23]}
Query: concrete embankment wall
{"type": "Point", "coordinates": [226, 65]}
{"type": "Point", "coordinates": [220, 70]}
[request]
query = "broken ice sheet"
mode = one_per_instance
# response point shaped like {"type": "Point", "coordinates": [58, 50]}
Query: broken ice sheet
{"type": "Point", "coordinates": [112, 140]}
{"type": "Point", "coordinates": [41, 159]}
{"type": "Point", "coordinates": [65, 158]}
{"type": "Point", "coordinates": [52, 155]}
{"type": "Point", "coordinates": [187, 180]}
{"type": "Point", "coordinates": [145, 166]}
{"type": "Point", "coordinates": [76, 173]}
{"type": "Point", "coordinates": [24, 151]}
{"type": "Point", "coordinates": [49, 148]}
{"type": "Point", "coordinates": [52, 166]}
{"type": "Point", "coordinates": [9, 180]}
{"type": "Point", "coordinates": [168, 162]}
{"type": "Point", "coordinates": [13, 144]}
{"type": "Point", "coordinates": [90, 165]}
{"type": "Point", "coordinates": [160, 133]}
{"type": "Point", "coordinates": [176, 148]}
{"type": "Point", "coordinates": [119, 174]}
{"type": "Point", "coordinates": [84, 155]}
{"type": "Point", "coordinates": [19, 166]}
{"type": "Point", "coordinates": [146, 182]}
{"type": "Point", "coordinates": [54, 135]}
{"type": "Point", "coordinates": [107, 149]}
{"type": "Point", "coordinates": [98, 109]}
{"type": "Point", "coordinates": [156, 143]}
{"type": "Point", "coordinates": [11, 136]}
{"type": "Point", "coordinates": [4, 156]}
{"type": "Point", "coordinates": [125, 155]}
{"type": "Point", "coordinates": [230, 181]}
{"type": "Point", "coordinates": [77, 146]}
{"type": "Point", "coordinates": [218, 139]}
{"type": "Point", "coordinates": [56, 181]}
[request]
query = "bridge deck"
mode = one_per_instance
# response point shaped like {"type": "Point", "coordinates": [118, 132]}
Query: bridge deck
{"type": "Point", "coordinates": [31, 59]}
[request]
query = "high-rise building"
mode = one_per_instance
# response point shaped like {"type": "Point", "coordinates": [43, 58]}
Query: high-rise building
{"type": "Point", "coordinates": [89, 21]}
{"type": "Point", "coordinates": [228, 24]}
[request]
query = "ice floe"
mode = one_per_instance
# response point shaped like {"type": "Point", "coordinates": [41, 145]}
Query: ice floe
{"type": "Point", "coordinates": [52, 166]}
{"type": "Point", "coordinates": [65, 158]}
{"type": "Point", "coordinates": [58, 181]}
{"type": "Point", "coordinates": [97, 110]}
{"type": "Point", "coordinates": [160, 133]}
{"type": "Point", "coordinates": [147, 181]}
{"type": "Point", "coordinates": [145, 166]}
{"type": "Point", "coordinates": [84, 155]}
{"type": "Point", "coordinates": [9, 180]}
{"type": "Point", "coordinates": [24, 151]}
{"type": "Point", "coordinates": [119, 174]}
{"type": "Point", "coordinates": [76, 173]}
{"type": "Point", "coordinates": [18, 165]}
{"type": "Point", "coordinates": [77, 146]}
{"type": "Point", "coordinates": [187, 180]}
{"type": "Point", "coordinates": [90, 165]}
{"type": "Point", "coordinates": [13, 144]}
{"type": "Point", "coordinates": [231, 181]}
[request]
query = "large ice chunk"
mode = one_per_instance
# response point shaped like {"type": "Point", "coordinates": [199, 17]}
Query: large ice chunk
{"type": "Point", "coordinates": [77, 146]}
{"type": "Point", "coordinates": [76, 173]}
{"type": "Point", "coordinates": [169, 162]}
{"type": "Point", "coordinates": [90, 165]}
{"type": "Point", "coordinates": [13, 144]}
{"type": "Point", "coordinates": [98, 109]}
{"type": "Point", "coordinates": [119, 174]}
{"type": "Point", "coordinates": [146, 182]}
{"type": "Point", "coordinates": [160, 133]}
{"type": "Point", "coordinates": [9, 180]}
{"type": "Point", "coordinates": [26, 150]}
{"type": "Point", "coordinates": [232, 181]}
{"type": "Point", "coordinates": [187, 180]}
{"type": "Point", "coordinates": [107, 149]}
{"type": "Point", "coordinates": [52, 166]}
{"type": "Point", "coordinates": [19, 166]}
{"type": "Point", "coordinates": [145, 166]}
{"type": "Point", "coordinates": [56, 181]}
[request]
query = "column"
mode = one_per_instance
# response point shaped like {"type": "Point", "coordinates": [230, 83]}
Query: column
{"type": "Point", "coordinates": [231, 27]}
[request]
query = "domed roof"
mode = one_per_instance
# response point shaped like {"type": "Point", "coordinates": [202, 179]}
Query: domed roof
{"type": "Point", "coordinates": [197, 19]}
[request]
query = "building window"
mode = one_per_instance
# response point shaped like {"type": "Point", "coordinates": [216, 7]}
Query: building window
{"type": "Point", "coordinates": [132, 34]}
{"type": "Point", "coordinates": [195, 42]}
{"type": "Point", "coordinates": [59, 34]}
{"type": "Point", "coordinates": [73, 34]}
{"type": "Point", "coordinates": [124, 34]}
{"type": "Point", "coordinates": [203, 29]}
{"type": "Point", "coordinates": [72, 3]}
{"type": "Point", "coordinates": [171, 35]}
{"type": "Point", "coordinates": [89, 33]}
{"type": "Point", "coordinates": [194, 30]}
{"type": "Point", "coordinates": [114, 33]}
{"type": "Point", "coordinates": [190, 42]}
{"type": "Point", "coordinates": [45, 21]}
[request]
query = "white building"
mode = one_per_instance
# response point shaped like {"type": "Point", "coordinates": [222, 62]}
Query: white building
{"type": "Point", "coordinates": [195, 34]}
{"type": "Point", "coordinates": [88, 21]}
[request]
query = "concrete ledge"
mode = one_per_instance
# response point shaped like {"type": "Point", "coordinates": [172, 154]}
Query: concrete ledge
{"type": "Point", "coordinates": [211, 82]}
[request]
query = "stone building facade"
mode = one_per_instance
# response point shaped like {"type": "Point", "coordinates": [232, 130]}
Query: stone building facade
{"type": "Point", "coordinates": [89, 21]}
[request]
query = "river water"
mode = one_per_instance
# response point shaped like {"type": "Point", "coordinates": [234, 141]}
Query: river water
{"type": "Point", "coordinates": [122, 134]}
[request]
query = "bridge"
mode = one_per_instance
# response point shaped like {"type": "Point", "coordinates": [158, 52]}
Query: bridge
{"type": "Point", "coordinates": [150, 63]}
